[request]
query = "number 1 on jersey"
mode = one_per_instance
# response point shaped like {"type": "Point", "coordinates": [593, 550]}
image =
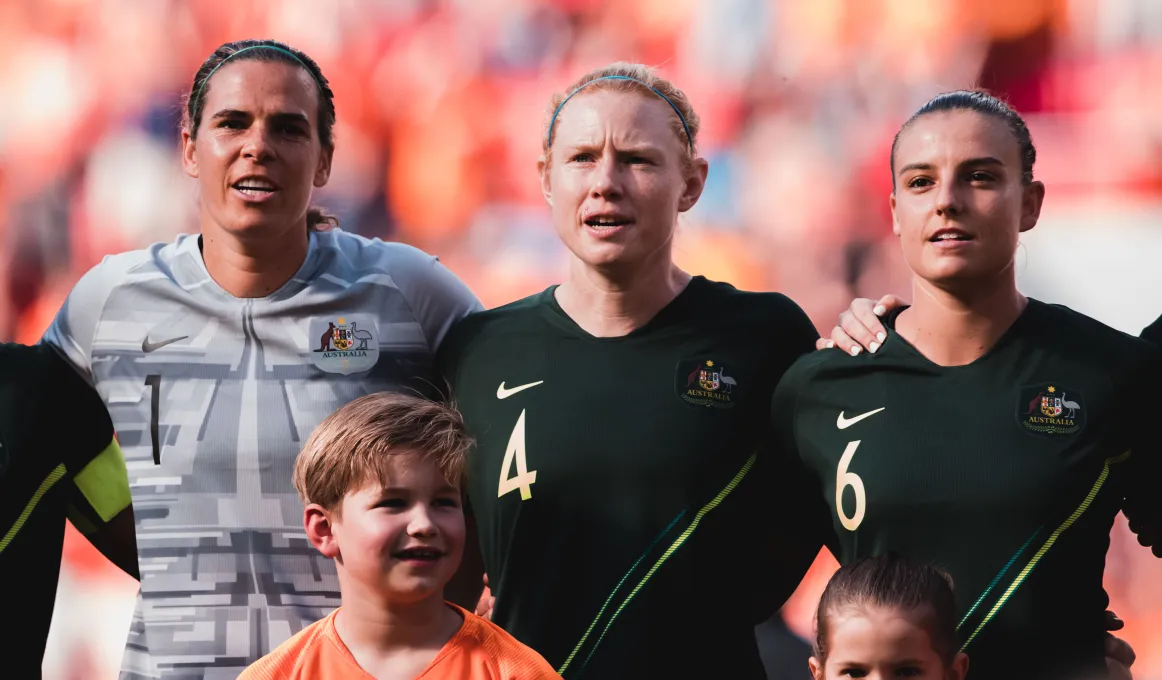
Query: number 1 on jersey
{"type": "Point", "coordinates": [524, 478]}
{"type": "Point", "coordinates": [154, 384]}
{"type": "Point", "coordinates": [844, 479]}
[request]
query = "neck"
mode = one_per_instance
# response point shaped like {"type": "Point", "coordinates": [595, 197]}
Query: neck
{"type": "Point", "coordinates": [253, 267]}
{"type": "Point", "coordinates": [374, 628]}
{"type": "Point", "coordinates": [956, 325]}
{"type": "Point", "coordinates": [610, 304]}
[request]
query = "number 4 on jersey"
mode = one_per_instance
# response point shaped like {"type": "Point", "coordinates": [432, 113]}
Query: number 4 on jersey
{"type": "Point", "coordinates": [524, 478]}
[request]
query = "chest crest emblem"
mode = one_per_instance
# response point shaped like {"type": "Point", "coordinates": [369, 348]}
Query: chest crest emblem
{"type": "Point", "coordinates": [345, 344]}
{"type": "Point", "coordinates": [706, 382]}
{"type": "Point", "coordinates": [1051, 409]}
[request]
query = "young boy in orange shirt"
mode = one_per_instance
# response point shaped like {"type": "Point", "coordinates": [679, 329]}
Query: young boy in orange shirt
{"type": "Point", "coordinates": [381, 482]}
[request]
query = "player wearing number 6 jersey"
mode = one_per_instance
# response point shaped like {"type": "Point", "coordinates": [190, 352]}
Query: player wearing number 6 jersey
{"type": "Point", "coordinates": [992, 435]}
{"type": "Point", "coordinates": [633, 520]}
{"type": "Point", "coordinates": [219, 353]}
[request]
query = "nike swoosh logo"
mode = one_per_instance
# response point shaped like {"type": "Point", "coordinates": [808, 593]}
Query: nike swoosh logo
{"type": "Point", "coordinates": [844, 423]}
{"type": "Point", "coordinates": [502, 393]}
{"type": "Point", "coordinates": [147, 346]}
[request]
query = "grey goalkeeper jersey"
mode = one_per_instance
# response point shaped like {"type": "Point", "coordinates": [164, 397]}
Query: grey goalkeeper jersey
{"type": "Point", "coordinates": [212, 397]}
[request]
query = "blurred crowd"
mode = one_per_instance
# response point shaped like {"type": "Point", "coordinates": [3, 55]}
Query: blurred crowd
{"type": "Point", "coordinates": [441, 106]}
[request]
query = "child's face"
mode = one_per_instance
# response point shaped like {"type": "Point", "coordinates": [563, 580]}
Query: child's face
{"type": "Point", "coordinates": [881, 643]}
{"type": "Point", "coordinates": [404, 541]}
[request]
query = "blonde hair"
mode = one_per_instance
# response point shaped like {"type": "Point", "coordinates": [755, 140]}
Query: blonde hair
{"type": "Point", "coordinates": [637, 78]}
{"type": "Point", "coordinates": [355, 445]}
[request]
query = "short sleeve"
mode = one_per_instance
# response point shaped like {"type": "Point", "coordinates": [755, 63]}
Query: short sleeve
{"type": "Point", "coordinates": [799, 333]}
{"type": "Point", "coordinates": [784, 403]}
{"type": "Point", "coordinates": [82, 434]}
{"type": "Point", "coordinates": [814, 513]}
{"type": "Point", "coordinates": [437, 297]}
{"type": "Point", "coordinates": [75, 325]}
{"type": "Point", "coordinates": [451, 351]}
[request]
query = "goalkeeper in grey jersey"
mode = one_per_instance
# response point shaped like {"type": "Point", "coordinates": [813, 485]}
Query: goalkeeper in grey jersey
{"type": "Point", "coordinates": [219, 353]}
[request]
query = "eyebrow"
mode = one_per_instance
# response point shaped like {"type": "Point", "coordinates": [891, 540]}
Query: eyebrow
{"type": "Point", "coordinates": [644, 147]}
{"type": "Point", "coordinates": [983, 160]}
{"type": "Point", "coordinates": [401, 490]}
{"type": "Point", "coordinates": [284, 116]}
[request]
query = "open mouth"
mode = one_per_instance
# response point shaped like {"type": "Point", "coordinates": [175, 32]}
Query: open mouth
{"type": "Point", "coordinates": [601, 222]}
{"type": "Point", "coordinates": [255, 188]}
{"type": "Point", "coordinates": [950, 235]}
{"type": "Point", "coordinates": [418, 554]}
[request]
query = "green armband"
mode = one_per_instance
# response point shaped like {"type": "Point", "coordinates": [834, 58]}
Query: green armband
{"type": "Point", "coordinates": [105, 483]}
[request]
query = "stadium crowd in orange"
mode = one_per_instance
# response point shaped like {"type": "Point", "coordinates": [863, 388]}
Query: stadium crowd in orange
{"type": "Point", "coordinates": [441, 105]}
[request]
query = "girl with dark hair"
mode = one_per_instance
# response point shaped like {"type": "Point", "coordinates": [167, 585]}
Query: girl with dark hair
{"type": "Point", "coordinates": [887, 617]}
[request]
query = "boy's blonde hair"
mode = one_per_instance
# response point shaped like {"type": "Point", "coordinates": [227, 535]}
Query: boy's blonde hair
{"type": "Point", "coordinates": [355, 445]}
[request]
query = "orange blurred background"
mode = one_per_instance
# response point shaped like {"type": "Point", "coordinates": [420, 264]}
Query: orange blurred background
{"type": "Point", "coordinates": [441, 106]}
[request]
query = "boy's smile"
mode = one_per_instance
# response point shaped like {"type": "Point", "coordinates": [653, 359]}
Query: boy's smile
{"type": "Point", "coordinates": [402, 540]}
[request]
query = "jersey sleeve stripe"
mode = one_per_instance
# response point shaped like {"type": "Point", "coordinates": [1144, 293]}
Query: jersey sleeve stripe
{"type": "Point", "coordinates": [53, 477]}
{"type": "Point", "coordinates": [104, 482]}
{"type": "Point", "coordinates": [1097, 485]}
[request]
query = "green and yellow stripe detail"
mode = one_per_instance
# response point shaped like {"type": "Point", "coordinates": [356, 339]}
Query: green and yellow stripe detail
{"type": "Point", "coordinates": [53, 477]}
{"type": "Point", "coordinates": [1069, 522]}
{"type": "Point", "coordinates": [674, 546]}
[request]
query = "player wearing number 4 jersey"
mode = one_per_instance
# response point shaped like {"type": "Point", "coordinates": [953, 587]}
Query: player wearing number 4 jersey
{"type": "Point", "coordinates": [992, 435]}
{"type": "Point", "coordinates": [632, 518]}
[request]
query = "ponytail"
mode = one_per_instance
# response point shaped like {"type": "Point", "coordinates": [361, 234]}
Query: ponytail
{"type": "Point", "coordinates": [317, 216]}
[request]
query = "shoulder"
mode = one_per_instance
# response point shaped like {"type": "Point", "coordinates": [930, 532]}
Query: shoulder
{"type": "Point", "coordinates": [1153, 332]}
{"type": "Point", "coordinates": [771, 319]}
{"type": "Point", "coordinates": [346, 254]}
{"type": "Point", "coordinates": [291, 659]}
{"type": "Point", "coordinates": [36, 368]}
{"type": "Point", "coordinates": [16, 359]}
{"type": "Point", "coordinates": [508, 655]}
{"type": "Point", "coordinates": [156, 261]}
{"type": "Point", "coordinates": [501, 318]}
{"type": "Point", "coordinates": [1071, 330]}
{"type": "Point", "coordinates": [489, 323]}
{"type": "Point", "coordinates": [769, 308]}
{"type": "Point", "coordinates": [800, 376]}
{"type": "Point", "coordinates": [809, 365]}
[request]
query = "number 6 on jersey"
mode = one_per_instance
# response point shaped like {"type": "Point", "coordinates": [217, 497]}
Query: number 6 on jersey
{"type": "Point", "coordinates": [844, 479]}
{"type": "Point", "coordinates": [524, 478]}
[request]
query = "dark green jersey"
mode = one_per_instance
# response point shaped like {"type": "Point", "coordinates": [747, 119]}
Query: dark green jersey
{"type": "Point", "coordinates": [632, 520]}
{"type": "Point", "coordinates": [1008, 472]}
{"type": "Point", "coordinates": [1153, 332]}
{"type": "Point", "coordinates": [57, 455]}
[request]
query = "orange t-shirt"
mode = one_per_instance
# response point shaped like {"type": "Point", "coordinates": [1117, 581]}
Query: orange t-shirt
{"type": "Point", "coordinates": [480, 650]}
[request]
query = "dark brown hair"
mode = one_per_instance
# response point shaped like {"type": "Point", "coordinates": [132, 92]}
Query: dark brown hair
{"type": "Point", "coordinates": [195, 100]}
{"type": "Point", "coordinates": [891, 581]}
{"type": "Point", "coordinates": [356, 444]}
{"type": "Point", "coordinates": [985, 104]}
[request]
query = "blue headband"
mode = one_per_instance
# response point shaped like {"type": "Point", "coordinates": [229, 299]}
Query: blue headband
{"type": "Point", "coordinates": [292, 55]}
{"type": "Point", "coordinates": [553, 120]}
